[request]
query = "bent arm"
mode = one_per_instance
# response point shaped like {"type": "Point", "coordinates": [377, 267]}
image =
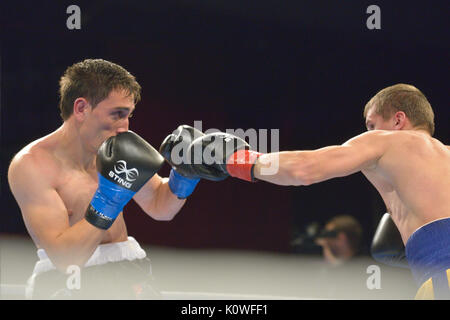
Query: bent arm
{"type": "Point", "coordinates": [156, 199]}
{"type": "Point", "coordinates": [307, 167]}
{"type": "Point", "coordinates": [47, 219]}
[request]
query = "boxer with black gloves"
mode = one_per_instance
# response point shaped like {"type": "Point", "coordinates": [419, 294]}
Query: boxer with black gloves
{"type": "Point", "coordinates": [400, 124]}
{"type": "Point", "coordinates": [72, 185]}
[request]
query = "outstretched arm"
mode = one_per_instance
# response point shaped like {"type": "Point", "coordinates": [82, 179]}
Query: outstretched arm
{"type": "Point", "coordinates": [307, 167]}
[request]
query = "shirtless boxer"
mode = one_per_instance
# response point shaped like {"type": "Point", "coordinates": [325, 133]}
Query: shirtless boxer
{"type": "Point", "coordinates": [54, 180]}
{"type": "Point", "coordinates": [398, 155]}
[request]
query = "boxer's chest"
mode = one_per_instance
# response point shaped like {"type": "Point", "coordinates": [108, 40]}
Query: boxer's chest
{"type": "Point", "coordinates": [76, 189]}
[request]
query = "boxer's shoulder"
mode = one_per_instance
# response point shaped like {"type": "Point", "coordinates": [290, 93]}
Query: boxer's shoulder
{"type": "Point", "coordinates": [399, 140]}
{"type": "Point", "coordinates": [376, 141]}
{"type": "Point", "coordinates": [37, 160]}
{"type": "Point", "coordinates": [417, 142]}
{"type": "Point", "coordinates": [390, 136]}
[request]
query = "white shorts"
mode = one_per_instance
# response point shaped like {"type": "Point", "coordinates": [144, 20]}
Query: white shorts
{"type": "Point", "coordinates": [111, 252]}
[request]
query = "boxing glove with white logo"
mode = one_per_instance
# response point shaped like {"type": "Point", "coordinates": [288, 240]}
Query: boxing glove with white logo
{"type": "Point", "coordinates": [125, 162]}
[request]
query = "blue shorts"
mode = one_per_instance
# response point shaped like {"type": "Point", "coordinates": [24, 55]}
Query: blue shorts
{"type": "Point", "coordinates": [428, 255]}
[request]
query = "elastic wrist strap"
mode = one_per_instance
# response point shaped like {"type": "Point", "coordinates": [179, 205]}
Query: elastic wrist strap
{"type": "Point", "coordinates": [97, 219]}
{"type": "Point", "coordinates": [107, 203]}
{"type": "Point", "coordinates": [181, 186]}
{"type": "Point", "coordinates": [241, 164]}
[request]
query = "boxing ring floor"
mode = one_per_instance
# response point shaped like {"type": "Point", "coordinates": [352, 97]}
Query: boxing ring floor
{"type": "Point", "coordinates": [188, 274]}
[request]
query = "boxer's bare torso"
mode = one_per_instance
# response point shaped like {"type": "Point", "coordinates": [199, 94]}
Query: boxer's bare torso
{"type": "Point", "coordinates": [54, 178]}
{"type": "Point", "coordinates": [413, 178]}
{"type": "Point", "coordinates": [66, 190]}
{"type": "Point", "coordinates": [409, 168]}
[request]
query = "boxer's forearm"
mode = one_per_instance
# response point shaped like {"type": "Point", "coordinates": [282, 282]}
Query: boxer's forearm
{"type": "Point", "coordinates": [289, 168]}
{"type": "Point", "coordinates": [299, 168]}
{"type": "Point", "coordinates": [74, 246]}
{"type": "Point", "coordinates": [167, 205]}
{"type": "Point", "coordinates": [158, 201]}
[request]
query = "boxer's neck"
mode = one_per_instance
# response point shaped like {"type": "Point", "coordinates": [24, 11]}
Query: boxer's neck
{"type": "Point", "coordinates": [73, 148]}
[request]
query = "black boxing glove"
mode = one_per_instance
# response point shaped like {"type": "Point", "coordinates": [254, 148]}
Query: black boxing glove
{"type": "Point", "coordinates": [219, 155]}
{"type": "Point", "coordinates": [125, 162]}
{"type": "Point", "coordinates": [387, 245]}
{"type": "Point", "coordinates": [182, 179]}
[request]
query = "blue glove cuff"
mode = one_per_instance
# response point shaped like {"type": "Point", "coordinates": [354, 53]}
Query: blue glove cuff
{"type": "Point", "coordinates": [107, 203]}
{"type": "Point", "coordinates": [181, 186]}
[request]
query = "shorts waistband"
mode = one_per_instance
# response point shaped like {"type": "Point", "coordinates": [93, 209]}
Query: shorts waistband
{"type": "Point", "coordinates": [104, 253]}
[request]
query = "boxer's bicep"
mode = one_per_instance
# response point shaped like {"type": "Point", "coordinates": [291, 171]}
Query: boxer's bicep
{"type": "Point", "coordinates": [343, 160]}
{"type": "Point", "coordinates": [43, 211]}
{"type": "Point", "coordinates": [358, 153]}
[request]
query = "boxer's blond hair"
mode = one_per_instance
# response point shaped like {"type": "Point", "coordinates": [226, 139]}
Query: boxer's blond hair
{"type": "Point", "coordinates": [94, 79]}
{"type": "Point", "coordinates": [406, 98]}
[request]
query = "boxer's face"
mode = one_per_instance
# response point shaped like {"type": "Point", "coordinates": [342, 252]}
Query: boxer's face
{"type": "Point", "coordinates": [376, 122]}
{"type": "Point", "coordinates": [108, 118]}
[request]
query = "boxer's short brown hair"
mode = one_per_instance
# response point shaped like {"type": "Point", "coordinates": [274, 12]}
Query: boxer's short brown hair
{"type": "Point", "coordinates": [406, 98]}
{"type": "Point", "coordinates": [94, 79]}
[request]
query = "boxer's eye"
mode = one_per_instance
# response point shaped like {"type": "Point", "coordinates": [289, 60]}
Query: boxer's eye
{"type": "Point", "coordinates": [119, 115]}
{"type": "Point", "coordinates": [116, 115]}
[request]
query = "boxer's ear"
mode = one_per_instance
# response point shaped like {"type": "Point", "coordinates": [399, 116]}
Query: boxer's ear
{"type": "Point", "coordinates": [80, 109]}
{"type": "Point", "coordinates": [399, 120]}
